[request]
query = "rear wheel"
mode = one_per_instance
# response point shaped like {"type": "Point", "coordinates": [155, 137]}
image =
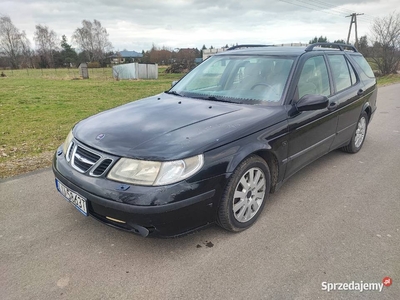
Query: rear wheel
{"type": "Point", "coordinates": [358, 138]}
{"type": "Point", "coordinates": [245, 194]}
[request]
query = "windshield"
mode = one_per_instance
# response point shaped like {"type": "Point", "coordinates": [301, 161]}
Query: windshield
{"type": "Point", "coordinates": [239, 79]}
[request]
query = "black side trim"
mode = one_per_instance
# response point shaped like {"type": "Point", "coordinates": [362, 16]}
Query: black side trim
{"type": "Point", "coordinates": [346, 128]}
{"type": "Point", "coordinates": [307, 149]}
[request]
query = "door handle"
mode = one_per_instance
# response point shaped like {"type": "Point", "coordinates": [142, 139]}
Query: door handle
{"type": "Point", "coordinates": [360, 92]}
{"type": "Point", "coordinates": [332, 106]}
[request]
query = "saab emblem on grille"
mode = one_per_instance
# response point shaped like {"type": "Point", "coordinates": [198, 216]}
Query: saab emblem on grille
{"type": "Point", "coordinates": [84, 160]}
{"type": "Point", "coordinates": [100, 136]}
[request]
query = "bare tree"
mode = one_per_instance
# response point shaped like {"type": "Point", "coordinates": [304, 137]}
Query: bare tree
{"type": "Point", "coordinates": [385, 36]}
{"type": "Point", "coordinates": [164, 55]}
{"type": "Point", "coordinates": [27, 55]}
{"type": "Point", "coordinates": [46, 43]}
{"type": "Point", "coordinates": [13, 43]}
{"type": "Point", "coordinates": [93, 39]}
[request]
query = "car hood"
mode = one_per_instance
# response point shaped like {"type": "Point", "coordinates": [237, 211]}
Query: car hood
{"type": "Point", "coordinates": [168, 127]}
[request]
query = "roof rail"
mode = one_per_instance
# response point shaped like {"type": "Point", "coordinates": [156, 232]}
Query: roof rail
{"type": "Point", "coordinates": [341, 47]}
{"type": "Point", "coordinates": [246, 46]}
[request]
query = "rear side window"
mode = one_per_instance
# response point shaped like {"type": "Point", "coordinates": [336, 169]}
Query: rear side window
{"type": "Point", "coordinates": [364, 65]}
{"type": "Point", "coordinates": [340, 72]}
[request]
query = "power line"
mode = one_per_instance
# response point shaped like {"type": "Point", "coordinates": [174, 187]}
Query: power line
{"type": "Point", "coordinates": [332, 6]}
{"type": "Point", "coordinates": [341, 10]}
{"type": "Point", "coordinates": [312, 8]}
{"type": "Point", "coordinates": [323, 7]}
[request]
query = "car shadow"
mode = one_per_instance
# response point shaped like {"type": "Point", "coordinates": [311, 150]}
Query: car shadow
{"type": "Point", "coordinates": [208, 237]}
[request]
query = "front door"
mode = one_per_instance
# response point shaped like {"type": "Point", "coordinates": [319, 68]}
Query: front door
{"type": "Point", "coordinates": [311, 133]}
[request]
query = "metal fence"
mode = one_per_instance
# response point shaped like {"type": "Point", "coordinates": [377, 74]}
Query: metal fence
{"type": "Point", "coordinates": [142, 71]}
{"type": "Point", "coordinates": [59, 73]}
{"type": "Point", "coordinates": [135, 71]}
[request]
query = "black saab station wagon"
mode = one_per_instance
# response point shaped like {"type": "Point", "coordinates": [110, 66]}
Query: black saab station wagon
{"type": "Point", "coordinates": [212, 148]}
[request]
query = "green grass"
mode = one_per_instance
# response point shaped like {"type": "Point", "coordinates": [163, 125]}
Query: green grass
{"type": "Point", "coordinates": [39, 107]}
{"type": "Point", "coordinates": [388, 79]}
{"type": "Point", "coordinates": [383, 80]}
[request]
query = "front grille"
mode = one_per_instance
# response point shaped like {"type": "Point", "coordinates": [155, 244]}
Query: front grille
{"type": "Point", "coordinates": [87, 154]}
{"type": "Point", "coordinates": [102, 167]}
{"type": "Point", "coordinates": [82, 165]}
{"type": "Point", "coordinates": [85, 160]}
{"type": "Point", "coordinates": [69, 151]}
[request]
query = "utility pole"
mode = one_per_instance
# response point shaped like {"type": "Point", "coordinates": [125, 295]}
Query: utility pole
{"type": "Point", "coordinates": [353, 20]}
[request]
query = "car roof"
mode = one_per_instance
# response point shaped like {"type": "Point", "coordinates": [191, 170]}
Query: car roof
{"type": "Point", "coordinates": [280, 50]}
{"type": "Point", "coordinates": [267, 50]}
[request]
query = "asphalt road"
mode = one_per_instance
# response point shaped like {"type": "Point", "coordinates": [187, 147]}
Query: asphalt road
{"type": "Point", "coordinates": [337, 220]}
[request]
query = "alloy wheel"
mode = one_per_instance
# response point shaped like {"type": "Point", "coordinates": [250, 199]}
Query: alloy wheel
{"type": "Point", "coordinates": [360, 132]}
{"type": "Point", "coordinates": [249, 195]}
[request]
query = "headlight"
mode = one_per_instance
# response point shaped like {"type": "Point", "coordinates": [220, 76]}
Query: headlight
{"type": "Point", "coordinates": [67, 142]}
{"type": "Point", "coordinates": [155, 173]}
{"type": "Point", "coordinates": [135, 171]}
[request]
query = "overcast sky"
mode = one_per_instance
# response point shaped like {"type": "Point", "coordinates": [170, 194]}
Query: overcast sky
{"type": "Point", "coordinates": [137, 24]}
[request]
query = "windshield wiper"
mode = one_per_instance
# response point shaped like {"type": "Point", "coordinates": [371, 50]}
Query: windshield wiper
{"type": "Point", "coordinates": [173, 93]}
{"type": "Point", "coordinates": [213, 98]}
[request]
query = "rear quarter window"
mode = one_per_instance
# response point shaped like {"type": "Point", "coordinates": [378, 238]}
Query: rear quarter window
{"type": "Point", "coordinates": [364, 65]}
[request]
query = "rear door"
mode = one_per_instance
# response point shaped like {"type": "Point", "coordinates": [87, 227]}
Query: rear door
{"type": "Point", "coordinates": [348, 97]}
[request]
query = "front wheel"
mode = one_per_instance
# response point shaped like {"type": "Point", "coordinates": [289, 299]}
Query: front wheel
{"type": "Point", "coordinates": [358, 137]}
{"type": "Point", "coordinates": [245, 194]}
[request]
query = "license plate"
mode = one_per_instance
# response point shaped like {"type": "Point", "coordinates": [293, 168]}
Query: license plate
{"type": "Point", "coordinates": [77, 200]}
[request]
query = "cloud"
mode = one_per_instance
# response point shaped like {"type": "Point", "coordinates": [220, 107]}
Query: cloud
{"type": "Point", "coordinates": [136, 25]}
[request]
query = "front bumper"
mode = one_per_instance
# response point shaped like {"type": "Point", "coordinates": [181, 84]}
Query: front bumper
{"type": "Point", "coordinates": [146, 210]}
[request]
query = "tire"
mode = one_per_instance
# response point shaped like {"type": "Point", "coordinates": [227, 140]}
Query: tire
{"type": "Point", "coordinates": [248, 200]}
{"type": "Point", "coordinates": [359, 135]}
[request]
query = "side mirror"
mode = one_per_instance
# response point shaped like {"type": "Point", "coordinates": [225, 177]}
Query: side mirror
{"type": "Point", "coordinates": [312, 102]}
{"type": "Point", "coordinates": [174, 82]}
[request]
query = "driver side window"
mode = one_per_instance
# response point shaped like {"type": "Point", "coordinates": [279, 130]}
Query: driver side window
{"type": "Point", "coordinates": [314, 78]}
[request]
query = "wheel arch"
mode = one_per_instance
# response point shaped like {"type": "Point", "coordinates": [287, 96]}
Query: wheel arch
{"type": "Point", "coordinates": [265, 152]}
{"type": "Point", "coordinates": [272, 161]}
{"type": "Point", "coordinates": [368, 110]}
